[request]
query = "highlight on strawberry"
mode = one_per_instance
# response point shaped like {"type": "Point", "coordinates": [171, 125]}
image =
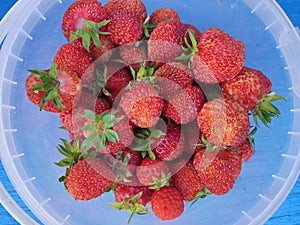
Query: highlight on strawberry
{"type": "Point", "coordinates": [155, 110]}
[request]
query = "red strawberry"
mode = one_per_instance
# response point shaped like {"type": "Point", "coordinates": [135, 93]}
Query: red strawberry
{"type": "Point", "coordinates": [134, 8]}
{"type": "Point", "coordinates": [123, 191]}
{"type": "Point", "coordinates": [109, 132]}
{"type": "Point", "coordinates": [142, 104]}
{"type": "Point", "coordinates": [78, 13]}
{"type": "Point", "coordinates": [247, 88]}
{"type": "Point", "coordinates": [184, 107]}
{"type": "Point", "coordinates": [187, 181]}
{"type": "Point", "coordinates": [131, 197]}
{"type": "Point", "coordinates": [102, 53]}
{"type": "Point", "coordinates": [252, 90]}
{"type": "Point", "coordinates": [172, 77]}
{"type": "Point", "coordinates": [53, 90]}
{"type": "Point", "coordinates": [89, 179]}
{"type": "Point", "coordinates": [224, 122]}
{"type": "Point", "coordinates": [163, 15]}
{"type": "Point", "coordinates": [167, 203]}
{"type": "Point", "coordinates": [68, 56]}
{"type": "Point", "coordinates": [164, 44]}
{"type": "Point", "coordinates": [101, 105]}
{"type": "Point", "coordinates": [133, 56]}
{"type": "Point", "coordinates": [153, 173]}
{"type": "Point", "coordinates": [170, 145]}
{"type": "Point", "coordinates": [124, 29]}
{"type": "Point", "coordinates": [220, 57]}
{"type": "Point", "coordinates": [246, 150]}
{"type": "Point", "coordinates": [218, 169]}
{"type": "Point", "coordinates": [117, 80]}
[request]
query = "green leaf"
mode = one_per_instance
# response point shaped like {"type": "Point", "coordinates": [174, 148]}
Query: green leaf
{"type": "Point", "coordinates": [64, 162]}
{"type": "Point", "coordinates": [90, 127]}
{"type": "Point", "coordinates": [89, 142]}
{"type": "Point", "coordinates": [111, 135]}
{"type": "Point", "coordinates": [89, 114]}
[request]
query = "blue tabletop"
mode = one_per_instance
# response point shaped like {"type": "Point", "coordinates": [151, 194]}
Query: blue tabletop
{"type": "Point", "coordinates": [287, 214]}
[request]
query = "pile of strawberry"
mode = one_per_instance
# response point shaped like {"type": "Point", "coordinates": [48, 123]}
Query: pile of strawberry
{"type": "Point", "coordinates": [157, 111]}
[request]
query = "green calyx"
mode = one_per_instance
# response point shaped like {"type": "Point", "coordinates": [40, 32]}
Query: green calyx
{"type": "Point", "coordinates": [73, 153]}
{"type": "Point", "coordinates": [163, 181]}
{"type": "Point", "coordinates": [131, 205]}
{"type": "Point", "coordinates": [91, 32]}
{"type": "Point", "coordinates": [265, 110]}
{"type": "Point", "coordinates": [100, 129]}
{"type": "Point", "coordinates": [190, 50]}
{"type": "Point", "coordinates": [119, 166]}
{"type": "Point", "coordinates": [50, 85]}
{"type": "Point", "coordinates": [144, 140]}
{"type": "Point", "coordinates": [100, 81]}
{"type": "Point", "coordinates": [144, 73]}
{"type": "Point", "coordinates": [200, 195]}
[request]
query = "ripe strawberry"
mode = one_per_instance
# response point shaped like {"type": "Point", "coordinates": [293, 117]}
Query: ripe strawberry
{"type": "Point", "coordinates": [171, 145]}
{"type": "Point", "coordinates": [172, 77]}
{"type": "Point", "coordinates": [218, 170]}
{"type": "Point", "coordinates": [109, 132]}
{"type": "Point", "coordinates": [187, 181]}
{"type": "Point", "coordinates": [78, 13]}
{"type": "Point", "coordinates": [142, 104]}
{"type": "Point", "coordinates": [124, 191]}
{"type": "Point", "coordinates": [89, 179]}
{"type": "Point", "coordinates": [124, 29]}
{"type": "Point", "coordinates": [220, 57]}
{"type": "Point", "coordinates": [251, 89]}
{"type": "Point", "coordinates": [131, 197]}
{"type": "Point", "coordinates": [224, 122]}
{"type": "Point", "coordinates": [133, 56]}
{"type": "Point", "coordinates": [163, 15]}
{"type": "Point", "coordinates": [117, 81]}
{"type": "Point", "coordinates": [246, 150]}
{"type": "Point", "coordinates": [167, 203]}
{"type": "Point", "coordinates": [153, 173]}
{"type": "Point", "coordinates": [247, 88]}
{"type": "Point", "coordinates": [53, 90]}
{"type": "Point", "coordinates": [165, 41]}
{"type": "Point", "coordinates": [68, 56]}
{"type": "Point", "coordinates": [184, 106]}
{"type": "Point", "coordinates": [134, 8]}
{"type": "Point", "coordinates": [102, 53]}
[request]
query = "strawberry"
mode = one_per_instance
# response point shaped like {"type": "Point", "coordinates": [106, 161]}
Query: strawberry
{"type": "Point", "coordinates": [109, 132]}
{"type": "Point", "coordinates": [132, 197]}
{"type": "Point", "coordinates": [134, 8]}
{"type": "Point", "coordinates": [165, 41]}
{"type": "Point", "coordinates": [184, 106]}
{"type": "Point", "coordinates": [247, 88]}
{"type": "Point", "coordinates": [163, 15]}
{"type": "Point", "coordinates": [171, 145]}
{"type": "Point", "coordinates": [124, 29]}
{"type": "Point", "coordinates": [167, 203]}
{"type": "Point", "coordinates": [53, 90]}
{"type": "Point", "coordinates": [118, 80]}
{"type": "Point", "coordinates": [142, 104]}
{"type": "Point", "coordinates": [220, 57]}
{"type": "Point", "coordinates": [246, 147]}
{"type": "Point", "coordinates": [251, 89]}
{"type": "Point", "coordinates": [153, 173]}
{"type": "Point", "coordinates": [187, 181]}
{"type": "Point", "coordinates": [101, 53]}
{"type": "Point", "coordinates": [218, 169]}
{"type": "Point", "coordinates": [133, 55]}
{"type": "Point", "coordinates": [172, 77]}
{"type": "Point", "coordinates": [85, 20]}
{"type": "Point", "coordinates": [68, 56]}
{"type": "Point", "coordinates": [224, 122]}
{"type": "Point", "coordinates": [89, 179]}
